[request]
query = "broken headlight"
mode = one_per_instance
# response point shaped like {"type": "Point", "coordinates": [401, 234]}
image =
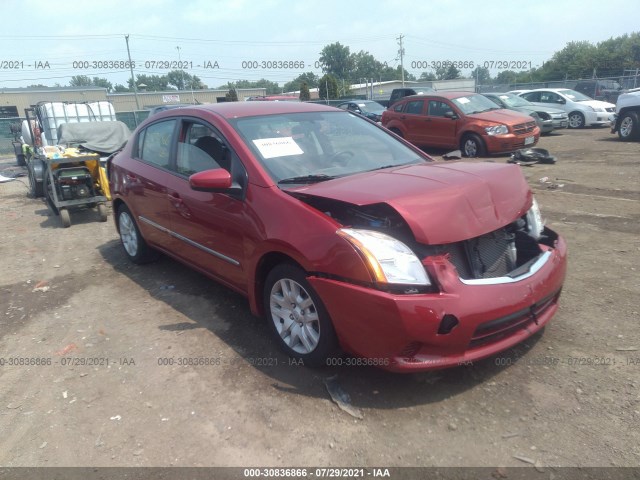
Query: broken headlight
{"type": "Point", "coordinates": [535, 224]}
{"type": "Point", "coordinates": [389, 260]}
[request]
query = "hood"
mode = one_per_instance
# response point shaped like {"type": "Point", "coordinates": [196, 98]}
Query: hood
{"type": "Point", "coordinates": [441, 203]}
{"type": "Point", "coordinates": [509, 117]}
{"type": "Point", "coordinates": [628, 99]}
{"type": "Point", "coordinates": [597, 104]}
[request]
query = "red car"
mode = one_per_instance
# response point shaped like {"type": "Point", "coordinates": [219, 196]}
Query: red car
{"type": "Point", "coordinates": [344, 237]}
{"type": "Point", "coordinates": [468, 121]}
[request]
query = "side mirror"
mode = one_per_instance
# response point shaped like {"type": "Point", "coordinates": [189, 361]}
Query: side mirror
{"type": "Point", "coordinates": [451, 115]}
{"type": "Point", "coordinates": [561, 100]}
{"type": "Point", "coordinates": [216, 180]}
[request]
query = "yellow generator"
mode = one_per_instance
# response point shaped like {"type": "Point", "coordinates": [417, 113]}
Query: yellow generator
{"type": "Point", "coordinates": [71, 174]}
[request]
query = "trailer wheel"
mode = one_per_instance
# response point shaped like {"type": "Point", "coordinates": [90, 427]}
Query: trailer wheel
{"type": "Point", "coordinates": [102, 212]}
{"type": "Point", "coordinates": [65, 218]}
{"type": "Point", "coordinates": [35, 168]}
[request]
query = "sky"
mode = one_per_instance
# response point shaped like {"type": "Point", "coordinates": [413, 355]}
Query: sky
{"type": "Point", "coordinates": [228, 40]}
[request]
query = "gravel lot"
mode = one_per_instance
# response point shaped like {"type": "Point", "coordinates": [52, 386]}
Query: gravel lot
{"type": "Point", "coordinates": [110, 397]}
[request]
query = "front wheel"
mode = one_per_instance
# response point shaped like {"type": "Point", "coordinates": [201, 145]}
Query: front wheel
{"type": "Point", "coordinates": [297, 317]}
{"type": "Point", "coordinates": [576, 120]}
{"type": "Point", "coordinates": [472, 146]}
{"type": "Point", "coordinates": [134, 245]}
{"type": "Point", "coordinates": [629, 126]}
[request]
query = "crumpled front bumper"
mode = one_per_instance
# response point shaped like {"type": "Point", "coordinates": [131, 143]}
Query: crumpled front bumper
{"type": "Point", "coordinates": [400, 332]}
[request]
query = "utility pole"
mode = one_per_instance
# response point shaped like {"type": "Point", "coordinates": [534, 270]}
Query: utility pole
{"type": "Point", "coordinates": [193, 98]}
{"type": "Point", "coordinates": [401, 52]}
{"type": "Point", "coordinates": [133, 81]}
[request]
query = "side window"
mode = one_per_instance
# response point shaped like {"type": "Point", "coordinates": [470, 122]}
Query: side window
{"type": "Point", "coordinates": [532, 96]}
{"type": "Point", "coordinates": [414, 107]}
{"type": "Point", "coordinates": [155, 143]}
{"type": "Point", "coordinates": [398, 107]}
{"type": "Point", "coordinates": [199, 149]}
{"type": "Point", "coordinates": [438, 109]}
{"type": "Point", "coordinates": [548, 97]}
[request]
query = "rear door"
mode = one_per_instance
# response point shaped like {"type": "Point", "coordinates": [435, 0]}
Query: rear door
{"type": "Point", "coordinates": [146, 181]}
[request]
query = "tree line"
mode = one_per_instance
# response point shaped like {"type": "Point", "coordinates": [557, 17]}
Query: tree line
{"type": "Point", "coordinates": [341, 68]}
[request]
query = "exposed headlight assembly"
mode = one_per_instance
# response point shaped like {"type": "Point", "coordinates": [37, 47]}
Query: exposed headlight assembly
{"type": "Point", "coordinates": [535, 224]}
{"type": "Point", "coordinates": [389, 260]}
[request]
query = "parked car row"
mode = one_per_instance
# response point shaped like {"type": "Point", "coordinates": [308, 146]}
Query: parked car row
{"type": "Point", "coordinates": [582, 110]}
{"type": "Point", "coordinates": [548, 118]}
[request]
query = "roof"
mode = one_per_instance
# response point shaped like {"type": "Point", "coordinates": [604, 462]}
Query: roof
{"type": "Point", "coordinates": [231, 110]}
{"type": "Point", "coordinates": [441, 94]}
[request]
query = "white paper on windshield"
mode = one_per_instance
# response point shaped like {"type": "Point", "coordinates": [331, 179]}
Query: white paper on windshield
{"type": "Point", "coordinates": [277, 147]}
{"type": "Point", "coordinates": [463, 100]}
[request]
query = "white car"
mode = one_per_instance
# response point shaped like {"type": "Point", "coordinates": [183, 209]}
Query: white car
{"type": "Point", "coordinates": [627, 122]}
{"type": "Point", "coordinates": [582, 110]}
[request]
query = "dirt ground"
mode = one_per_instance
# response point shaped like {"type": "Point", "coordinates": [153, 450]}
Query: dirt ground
{"type": "Point", "coordinates": [69, 297]}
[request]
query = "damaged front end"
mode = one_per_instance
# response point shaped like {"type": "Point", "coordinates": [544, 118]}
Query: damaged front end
{"type": "Point", "coordinates": [499, 256]}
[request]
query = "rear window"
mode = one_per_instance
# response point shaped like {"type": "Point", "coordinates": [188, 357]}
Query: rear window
{"type": "Point", "coordinates": [155, 145]}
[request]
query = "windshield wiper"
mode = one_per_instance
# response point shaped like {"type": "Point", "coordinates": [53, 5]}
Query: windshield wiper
{"type": "Point", "coordinates": [392, 165]}
{"type": "Point", "coordinates": [307, 179]}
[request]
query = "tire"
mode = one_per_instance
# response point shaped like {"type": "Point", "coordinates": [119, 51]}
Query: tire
{"type": "Point", "coordinates": [134, 245]}
{"type": "Point", "coordinates": [397, 132]}
{"type": "Point", "coordinates": [36, 188]}
{"type": "Point", "coordinates": [297, 316]}
{"type": "Point", "coordinates": [576, 120]}
{"type": "Point", "coordinates": [65, 217]}
{"type": "Point", "coordinates": [102, 212]}
{"type": "Point", "coordinates": [629, 128]}
{"type": "Point", "coordinates": [472, 146]}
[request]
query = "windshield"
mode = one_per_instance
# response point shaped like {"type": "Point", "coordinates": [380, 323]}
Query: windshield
{"type": "Point", "coordinates": [316, 146]}
{"type": "Point", "coordinates": [575, 96]}
{"type": "Point", "coordinates": [513, 100]}
{"type": "Point", "coordinates": [474, 103]}
{"type": "Point", "coordinates": [371, 107]}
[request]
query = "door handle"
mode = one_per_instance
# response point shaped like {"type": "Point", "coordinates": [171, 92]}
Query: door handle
{"type": "Point", "coordinates": [175, 199]}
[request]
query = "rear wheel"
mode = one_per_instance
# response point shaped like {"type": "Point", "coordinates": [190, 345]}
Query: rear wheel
{"type": "Point", "coordinates": [297, 317]}
{"type": "Point", "coordinates": [576, 120]}
{"type": "Point", "coordinates": [134, 245]}
{"type": "Point", "coordinates": [472, 146]}
{"type": "Point", "coordinates": [397, 132]}
{"type": "Point", "coordinates": [629, 126]}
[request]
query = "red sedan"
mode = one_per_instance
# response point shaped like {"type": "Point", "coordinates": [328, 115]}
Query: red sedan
{"type": "Point", "coordinates": [344, 237]}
